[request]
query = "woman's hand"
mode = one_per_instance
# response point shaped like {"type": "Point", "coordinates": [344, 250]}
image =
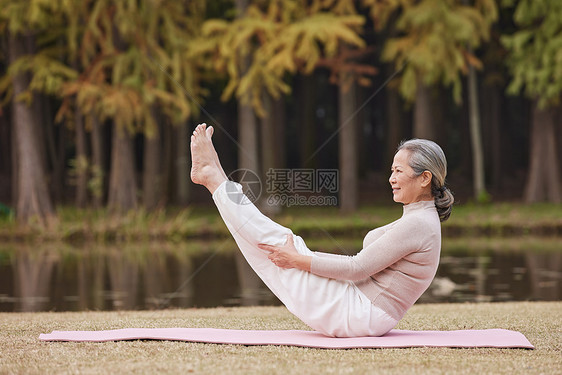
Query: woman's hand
{"type": "Point", "coordinates": [287, 256]}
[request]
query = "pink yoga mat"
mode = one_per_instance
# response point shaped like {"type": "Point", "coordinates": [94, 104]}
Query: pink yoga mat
{"type": "Point", "coordinates": [491, 338]}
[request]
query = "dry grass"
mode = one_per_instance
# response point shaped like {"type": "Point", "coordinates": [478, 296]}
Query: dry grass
{"type": "Point", "coordinates": [22, 352]}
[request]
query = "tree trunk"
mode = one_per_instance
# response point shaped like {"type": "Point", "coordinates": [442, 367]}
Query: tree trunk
{"type": "Point", "coordinates": [268, 135]}
{"type": "Point", "coordinates": [269, 148]}
{"type": "Point", "coordinates": [492, 101]}
{"type": "Point", "coordinates": [5, 137]}
{"type": "Point", "coordinates": [44, 136]}
{"type": "Point", "coordinates": [166, 161]}
{"type": "Point", "coordinates": [6, 152]}
{"type": "Point", "coordinates": [81, 161]}
{"type": "Point", "coordinates": [347, 142]}
{"type": "Point", "coordinates": [424, 126]}
{"type": "Point", "coordinates": [59, 169]}
{"type": "Point", "coordinates": [306, 129]}
{"type": "Point", "coordinates": [279, 125]}
{"type": "Point", "coordinates": [54, 139]}
{"type": "Point", "coordinates": [152, 173]}
{"type": "Point", "coordinates": [558, 120]}
{"type": "Point", "coordinates": [439, 100]}
{"type": "Point", "coordinates": [98, 163]}
{"type": "Point", "coordinates": [250, 283]}
{"type": "Point", "coordinates": [247, 139]}
{"type": "Point", "coordinates": [182, 163]}
{"type": "Point", "coordinates": [122, 195]}
{"type": "Point", "coordinates": [543, 181]}
{"type": "Point", "coordinates": [33, 196]}
{"type": "Point", "coordinates": [394, 124]}
{"type": "Point", "coordinates": [478, 171]}
{"type": "Point", "coordinates": [15, 167]}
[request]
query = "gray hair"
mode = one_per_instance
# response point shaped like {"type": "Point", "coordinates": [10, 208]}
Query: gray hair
{"type": "Point", "coordinates": [426, 155]}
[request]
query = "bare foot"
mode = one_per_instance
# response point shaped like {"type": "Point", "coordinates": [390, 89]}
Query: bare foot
{"type": "Point", "coordinates": [206, 169]}
{"type": "Point", "coordinates": [209, 134]}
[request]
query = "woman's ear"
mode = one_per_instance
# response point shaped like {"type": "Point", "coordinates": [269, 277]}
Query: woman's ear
{"type": "Point", "coordinates": [426, 177]}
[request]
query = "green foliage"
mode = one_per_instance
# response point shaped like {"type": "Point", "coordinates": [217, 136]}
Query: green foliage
{"type": "Point", "coordinates": [535, 51]}
{"type": "Point", "coordinates": [134, 56]}
{"type": "Point", "coordinates": [381, 11]}
{"type": "Point", "coordinates": [115, 59]}
{"type": "Point", "coordinates": [48, 73]}
{"type": "Point", "coordinates": [433, 47]}
{"type": "Point", "coordinates": [484, 197]}
{"type": "Point", "coordinates": [6, 213]}
{"type": "Point", "coordinates": [43, 20]}
{"type": "Point", "coordinates": [25, 16]}
{"type": "Point", "coordinates": [81, 165]}
{"type": "Point", "coordinates": [258, 50]}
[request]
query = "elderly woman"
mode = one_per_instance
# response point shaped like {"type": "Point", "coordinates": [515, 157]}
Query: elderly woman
{"type": "Point", "coordinates": [343, 296]}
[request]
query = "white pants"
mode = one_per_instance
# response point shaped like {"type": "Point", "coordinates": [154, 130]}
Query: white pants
{"type": "Point", "coordinates": [332, 307]}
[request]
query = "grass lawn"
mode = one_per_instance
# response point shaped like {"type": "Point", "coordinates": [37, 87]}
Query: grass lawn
{"type": "Point", "coordinates": [22, 352]}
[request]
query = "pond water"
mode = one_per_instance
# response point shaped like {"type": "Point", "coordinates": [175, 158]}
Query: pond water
{"type": "Point", "coordinates": [156, 276]}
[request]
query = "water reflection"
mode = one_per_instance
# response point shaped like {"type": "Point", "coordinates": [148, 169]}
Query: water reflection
{"type": "Point", "coordinates": [33, 272]}
{"type": "Point", "coordinates": [497, 276]}
{"type": "Point", "coordinates": [157, 276]}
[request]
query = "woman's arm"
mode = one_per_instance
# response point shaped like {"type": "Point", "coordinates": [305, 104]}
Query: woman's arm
{"type": "Point", "coordinates": [322, 254]}
{"type": "Point", "coordinates": [286, 256]}
{"type": "Point", "coordinates": [380, 254]}
{"type": "Point", "coordinates": [403, 238]}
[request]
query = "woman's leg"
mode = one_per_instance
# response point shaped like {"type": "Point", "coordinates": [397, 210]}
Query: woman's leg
{"type": "Point", "coordinates": [249, 227]}
{"type": "Point", "coordinates": [329, 306]}
{"type": "Point", "coordinates": [240, 215]}
{"type": "Point", "coordinates": [315, 300]}
{"type": "Point", "coordinates": [246, 223]}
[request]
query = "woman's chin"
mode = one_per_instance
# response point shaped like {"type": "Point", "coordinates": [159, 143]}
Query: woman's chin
{"type": "Point", "coordinates": [398, 199]}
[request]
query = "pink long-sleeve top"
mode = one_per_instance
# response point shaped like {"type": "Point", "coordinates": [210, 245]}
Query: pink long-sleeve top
{"type": "Point", "coordinates": [397, 263]}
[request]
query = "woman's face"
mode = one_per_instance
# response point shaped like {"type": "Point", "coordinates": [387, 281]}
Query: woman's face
{"type": "Point", "coordinates": [406, 186]}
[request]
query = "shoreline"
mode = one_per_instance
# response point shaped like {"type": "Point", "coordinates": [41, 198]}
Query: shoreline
{"type": "Point", "coordinates": [195, 223]}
